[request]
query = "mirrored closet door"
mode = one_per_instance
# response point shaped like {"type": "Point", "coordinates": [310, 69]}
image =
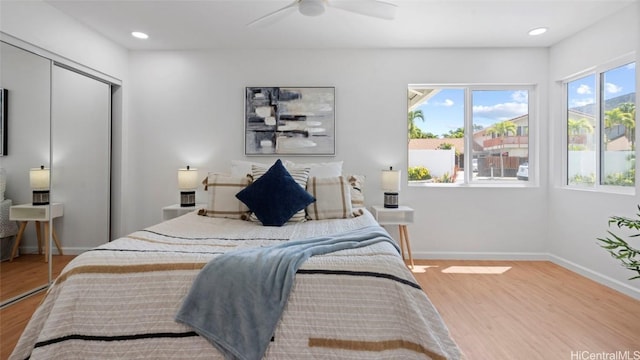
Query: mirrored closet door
{"type": "Point", "coordinates": [26, 80]}
{"type": "Point", "coordinates": [80, 151]}
{"type": "Point", "coordinates": [59, 119]}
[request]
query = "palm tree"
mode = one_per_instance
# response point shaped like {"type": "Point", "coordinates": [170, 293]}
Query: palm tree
{"type": "Point", "coordinates": [454, 134]}
{"type": "Point", "coordinates": [629, 116]}
{"type": "Point", "coordinates": [500, 130]}
{"type": "Point", "coordinates": [577, 126]}
{"type": "Point", "coordinates": [414, 131]}
{"type": "Point", "coordinates": [624, 115]}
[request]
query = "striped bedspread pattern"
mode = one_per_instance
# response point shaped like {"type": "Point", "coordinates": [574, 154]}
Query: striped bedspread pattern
{"type": "Point", "coordinates": [119, 301]}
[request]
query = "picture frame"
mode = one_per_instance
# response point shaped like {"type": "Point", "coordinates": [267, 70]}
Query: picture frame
{"type": "Point", "coordinates": [290, 121]}
{"type": "Point", "coordinates": [4, 134]}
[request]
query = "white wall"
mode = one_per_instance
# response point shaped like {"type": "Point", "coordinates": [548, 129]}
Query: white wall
{"type": "Point", "coordinates": [439, 162]}
{"type": "Point", "coordinates": [576, 218]}
{"type": "Point", "coordinates": [44, 26]}
{"type": "Point", "coordinates": [188, 109]}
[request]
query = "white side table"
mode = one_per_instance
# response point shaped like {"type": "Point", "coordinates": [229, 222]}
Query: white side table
{"type": "Point", "coordinates": [175, 210]}
{"type": "Point", "coordinates": [401, 216]}
{"type": "Point", "coordinates": [38, 213]}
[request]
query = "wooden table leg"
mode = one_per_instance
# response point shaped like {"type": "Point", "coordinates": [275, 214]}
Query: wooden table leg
{"type": "Point", "coordinates": [39, 237]}
{"type": "Point", "coordinates": [406, 239]}
{"type": "Point", "coordinates": [48, 243]}
{"type": "Point", "coordinates": [23, 225]}
{"type": "Point", "coordinates": [55, 239]}
{"type": "Point", "coordinates": [401, 240]}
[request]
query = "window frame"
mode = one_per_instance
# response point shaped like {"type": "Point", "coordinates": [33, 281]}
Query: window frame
{"type": "Point", "coordinates": [532, 131]}
{"type": "Point", "coordinates": [597, 72]}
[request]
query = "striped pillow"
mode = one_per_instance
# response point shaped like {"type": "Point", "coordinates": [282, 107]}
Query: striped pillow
{"type": "Point", "coordinates": [222, 191]}
{"type": "Point", "coordinates": [333, 198]}
{"type": "Point", "coordinates": [357, 190]}
{"type": "Point", "coordinates": [299, 174]}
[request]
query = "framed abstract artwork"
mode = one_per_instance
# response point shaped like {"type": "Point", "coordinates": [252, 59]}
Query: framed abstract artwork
{"type": "Point", "coordinates": [290, 121]}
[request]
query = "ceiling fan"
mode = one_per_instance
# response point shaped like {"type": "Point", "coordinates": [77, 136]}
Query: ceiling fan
{"type": "Point", "coordinates": [373, 8]}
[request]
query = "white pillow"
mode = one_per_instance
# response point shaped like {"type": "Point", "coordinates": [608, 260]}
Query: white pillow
{"type": "Point", "coordinates": [319, 170]}
{"type": "Point", "coordinates": [333, 198]}
{"type": "Point", "coordinates": [243, 168]}
{"type": "Point", "coordinates": [222, 190]}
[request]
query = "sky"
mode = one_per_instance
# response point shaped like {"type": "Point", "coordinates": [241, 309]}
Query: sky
{"type": "Point", "coordinates": [617, 81]}
{"type": "Point", "coordinates": [444, 111]}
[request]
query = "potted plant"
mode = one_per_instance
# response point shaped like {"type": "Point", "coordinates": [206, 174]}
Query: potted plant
{"type": "Point", "coordinates": [620, 249]}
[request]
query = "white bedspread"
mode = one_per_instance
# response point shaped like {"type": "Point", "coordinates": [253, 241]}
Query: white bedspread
{"type": "Point", "coordinates": [120, 299]}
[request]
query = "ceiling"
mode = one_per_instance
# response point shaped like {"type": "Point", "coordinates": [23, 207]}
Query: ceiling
{"type": "Point", "coordinates": [218, 24]}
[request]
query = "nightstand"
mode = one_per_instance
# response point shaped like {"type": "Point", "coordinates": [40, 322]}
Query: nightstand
{"type": "Point", "coordinates": [40, 214]}
{"type": "Point", "coordinates": [401, 216]}
{"type": "Point", "coordinates": [175, 210]}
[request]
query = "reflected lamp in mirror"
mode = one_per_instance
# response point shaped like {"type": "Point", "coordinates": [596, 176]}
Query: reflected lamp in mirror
{"type": "Point", "coordinates": [187, 183]}
{"type": "Point", "coordinates": [391, 187]}
{"type": "Point", "coordinates": [39, 181]}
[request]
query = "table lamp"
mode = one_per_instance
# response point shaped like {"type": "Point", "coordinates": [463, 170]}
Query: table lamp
{"type": "Point", "coordinates": [391, 187]}
{"type": "Point", "coordinates": [39, 181]}
{"type": "Point", "coordinates": [187, 183]}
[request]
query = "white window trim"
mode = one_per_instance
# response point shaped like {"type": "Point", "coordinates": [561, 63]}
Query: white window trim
{"type": "Point", "coordinates": [533, 145]}
{"type": "Point", "coordinates": [596, 71]}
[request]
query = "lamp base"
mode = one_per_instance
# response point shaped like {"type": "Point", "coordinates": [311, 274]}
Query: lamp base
{"type": "Point", "coordinates": [40, 197]}
{"type": "Point", "coordinates": [187, 198]}
{"type": "Point", "coordinates": [391, 200]}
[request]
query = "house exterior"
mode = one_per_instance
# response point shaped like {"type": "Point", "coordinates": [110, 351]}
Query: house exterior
{"type": "Point", "coordinates": [513, 148]}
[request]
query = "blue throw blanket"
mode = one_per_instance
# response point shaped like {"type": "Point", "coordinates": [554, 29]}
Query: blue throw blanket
{"type": "Point", "coordinates": [238, 298]}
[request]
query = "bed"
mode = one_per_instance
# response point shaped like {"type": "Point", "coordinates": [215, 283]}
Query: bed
{"type": "Point", "coordinates": [120, 300]}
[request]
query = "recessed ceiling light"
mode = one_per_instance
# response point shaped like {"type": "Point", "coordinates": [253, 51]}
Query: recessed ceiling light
{"type": "Point", "coordinates": [139, 35]}
{"type": "Point", "coordinates": [537, 31]}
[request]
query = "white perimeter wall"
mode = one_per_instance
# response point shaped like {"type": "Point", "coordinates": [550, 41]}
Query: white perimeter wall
{"type": "Point", "coordinates": [186, 107]}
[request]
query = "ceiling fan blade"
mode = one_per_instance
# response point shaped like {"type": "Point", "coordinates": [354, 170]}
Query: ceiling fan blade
{"type": "Point", "coordinates": [374, 8]}
{"type": "Point", "coordinates": [274, 16]}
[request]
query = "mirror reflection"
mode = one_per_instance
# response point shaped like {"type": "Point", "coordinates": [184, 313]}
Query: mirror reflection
{"type": "Point", "coordinates": [27, 81]}
{"type": "Point", "coordinates": [53, 208]}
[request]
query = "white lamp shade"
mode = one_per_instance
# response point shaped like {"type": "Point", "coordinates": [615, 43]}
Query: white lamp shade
{"type": "Point", "coordinates": [39, 178]}
{"type": "Point", "coordinates": [187, 178]}
{"type": "Point", "coordinates": [391, 180]}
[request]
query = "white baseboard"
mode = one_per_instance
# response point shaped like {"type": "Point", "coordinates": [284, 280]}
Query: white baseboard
{"type": "Point", "coordinates": [597, 277]}
{"type": "Point", "coordinates": [65, 250]}
{"type": "Point", "coordinates": [447, 255]}
{"type": "Point", "coordinates": [569, 265]}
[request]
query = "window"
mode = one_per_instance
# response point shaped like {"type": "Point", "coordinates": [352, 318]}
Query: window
{"type": "Point", "coordinates": [582, 138]}
{"type": "Point", "coordinates": [468, 134]}
{"type": "Point", "coordinates": [600, 125]}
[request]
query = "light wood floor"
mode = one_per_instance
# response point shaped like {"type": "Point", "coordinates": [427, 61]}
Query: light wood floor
{"type": "Point", "coordinates": [533, 310]}
{"type": "Point", "coordinates": [26, 272]}
{"type": "Point", "coordinates": [23, 273]}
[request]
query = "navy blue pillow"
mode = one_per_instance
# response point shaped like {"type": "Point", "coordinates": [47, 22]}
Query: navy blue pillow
{"type": "Point", "coordinates": [275, 196]}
